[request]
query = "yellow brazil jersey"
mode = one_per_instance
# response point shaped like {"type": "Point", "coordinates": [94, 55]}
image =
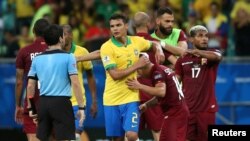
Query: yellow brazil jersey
{"type": "Point", "coordinates": [81, 66]}
{"type": "Point", "coordinates": [114, 54]}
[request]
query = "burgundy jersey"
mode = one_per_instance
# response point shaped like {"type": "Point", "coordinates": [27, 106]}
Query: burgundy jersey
{"type": "Point", "coordinates": [24, 59]}
{"type": "Point", "coordinates": [198, 78]}
{"type": "Point", "coordinates": [150, 52]}
{"type": "Point", "coordinates": [174, 97]}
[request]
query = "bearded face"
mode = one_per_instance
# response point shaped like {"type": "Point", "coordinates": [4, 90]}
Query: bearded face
{"type": "Point", "coordinates": [165, 31]}
{"type": "Point", "coordinates": [165, 23]}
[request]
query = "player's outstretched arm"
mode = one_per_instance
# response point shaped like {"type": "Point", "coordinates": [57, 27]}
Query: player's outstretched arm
{"type": "Point", "coordinates": [95, 55]}
{"type": "Point", "coordinates": [179, 51]}
{"type": "Point", "coordinates": [210, 55]}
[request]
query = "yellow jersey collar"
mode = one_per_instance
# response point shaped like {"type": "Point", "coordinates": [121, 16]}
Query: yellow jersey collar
{"type": "Point", "coordinates": [73, 47]}
{"type": "Point", "coordinates": [118, 44]}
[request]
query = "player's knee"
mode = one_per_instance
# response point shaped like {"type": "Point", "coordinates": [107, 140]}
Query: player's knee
{"type": "Point", "coordinates": [132, 136]}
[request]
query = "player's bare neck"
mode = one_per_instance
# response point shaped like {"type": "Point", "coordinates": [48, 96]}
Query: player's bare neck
{"type": "Point", "coordinates": [142, 30]}
{"type": "Point", "coordinates": [54, 47]}
{"type": "Point", "coordinates": [122, 40]}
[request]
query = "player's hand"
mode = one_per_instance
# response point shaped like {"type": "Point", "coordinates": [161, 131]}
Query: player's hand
{"type": "Point", "coordinates": [143, 61]}
{"type": "Point", "coordinates": [33, 116]}
{"type": "Point", "coordinates": [160, 57]}
{"type": "Point", "coordinates": [143, 107]}
{"type": "Point", "coordinates": [93, 109]}
{"type": "Point", "coordinates": [81, 116]}
{"type": "Point", "coordinates": [133, 84]}
{"type": "Point", "coordinates": [19, 115]}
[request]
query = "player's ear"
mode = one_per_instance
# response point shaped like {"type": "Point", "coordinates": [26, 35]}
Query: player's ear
{"type": "Point", "coordinates": [157, 20]}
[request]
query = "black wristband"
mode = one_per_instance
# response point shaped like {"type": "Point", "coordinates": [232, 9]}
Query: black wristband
{"type": "Point", "coordinates": [29, 109]}
{"type": "Point", "coordinates": [82, 108]}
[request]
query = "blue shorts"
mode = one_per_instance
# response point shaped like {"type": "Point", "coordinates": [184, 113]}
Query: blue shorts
{"type": "Point", "coordinates": [78, 128]}
{"type": "Point", "coordinates": [121, 118]}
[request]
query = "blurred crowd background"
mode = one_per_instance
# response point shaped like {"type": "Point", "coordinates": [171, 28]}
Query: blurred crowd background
{"type": "Point", "coordinates": [228, 21]}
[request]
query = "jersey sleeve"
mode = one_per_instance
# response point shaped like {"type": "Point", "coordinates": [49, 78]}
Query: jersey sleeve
{"type": "Point", "coordinates": [33, 72]}
{"type": "Point", "coordinates": [20, 60]}
{"type": "Point", "coordinates": [178, 68]}
{"type": "Point", "coordinates": [166, 54]}
{"type": "Point", "coordinates": [144, 44]}
{"type": "Point", "coordinates": [72, 65]}
{"type": "Point", "coordinates": [86, 64]}
{"type": "Point", "coordinates": [182, 36]}
{"type": "Point", "coordinates": [158, 76]}
{"type": "Point", "coordinates": [107, 57]}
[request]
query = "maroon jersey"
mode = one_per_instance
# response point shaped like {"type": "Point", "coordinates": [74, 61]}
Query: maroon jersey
{"type": "Point", "coordinates": [174, 97]}
{"type": "Point", "coordinates": [24, 59]}
{"type": "Point", "coordinates": [198, 77]}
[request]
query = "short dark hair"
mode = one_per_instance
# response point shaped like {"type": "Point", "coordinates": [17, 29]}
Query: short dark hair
{"type": "Point", "coordinates": [52, 34]}
{"type": "Point", "coordinates": [117, 16]}
{"type": "Point", "coordinates": [164, 10]}
{"type": "Point", "coordinates": [67, 27]}
{"type": "Point", "coordinates": [214, 3]}
{"type": "Point", "coordinates": [39, 27]}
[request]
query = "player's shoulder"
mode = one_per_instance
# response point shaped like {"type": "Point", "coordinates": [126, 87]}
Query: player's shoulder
{"type": "Point", "coordinates": [185, 58]}
{"type": "Point", "coordinates": [26, 49]}
{"type": "Point", "coordinates": [81, 49]}
{"type": "Point", "coordinates": [106, 45]}
{"type": "Point", "coordinates": [136, 38]}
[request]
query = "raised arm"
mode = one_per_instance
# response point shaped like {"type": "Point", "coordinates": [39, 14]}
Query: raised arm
{"type": "Point", "coordinates": [95, 55]}
{"type": "Point", "coordinates": [179, 50]}
{"type": "Point", "coordinates": [210, 55]}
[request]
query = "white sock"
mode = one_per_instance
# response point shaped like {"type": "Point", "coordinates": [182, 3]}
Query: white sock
{"type": "Point", "coordinates": [78, 137]}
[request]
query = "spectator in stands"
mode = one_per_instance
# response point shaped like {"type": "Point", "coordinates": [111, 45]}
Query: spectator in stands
{"type": "Point", "coordinates": [217, 25]}
{"type": "Point", "coordinates": [241, 20]}
{"type": "Point", "coordinates": [24, 39]}
{"type": "Point", "coordinates": [24, 12]}
{"type": "Point", "coordinates": [10, 43]}
{"type": "Point", "coordinates": [106, 8]}
{"type": "Point", "coordinates": [98, 30]}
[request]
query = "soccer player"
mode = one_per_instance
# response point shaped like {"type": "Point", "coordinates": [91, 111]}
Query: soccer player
{"type": "Point", "coordinates": [166, 33]}
{"type": "Point", "coordinates": [120, 57]}
{"type": "Point", "coordinates": [197, 71]}
{"type": "Point", "coordinates": [56, 71]}
{"type": "Point", "coordinates": [23, 63]}
{"type": "Point", "coordinates": [168, 94]}
{"type": "Point", "coordinates": [153, 117]}
{"type": "Point", "coordinates": [86, 66]}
